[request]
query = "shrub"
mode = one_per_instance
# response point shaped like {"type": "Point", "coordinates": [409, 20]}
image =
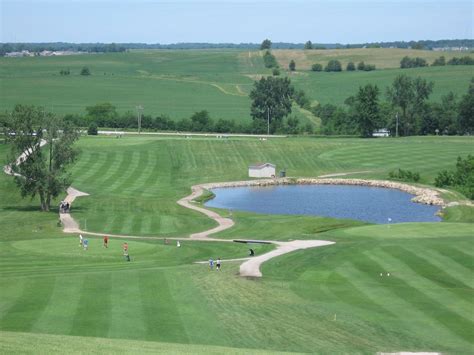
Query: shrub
{"type": "Point", "coordinates": [369, 67]}
{"type": "Point", "coordinates": [276, 71]}
{"type": "Point", "coordinates": [85, 71]}
{"type": "Point", "coordinates": [333, 65]}
{"type": "Point", "coordinates": [292, 65]}
{"type": "Point", "coordinates": [269, 60]}
{"type": "Point", "coordinates": [444, 178]}
{"type": "Point", "coordinates": [461, 61]}
{"type": "Point", "coordinates": [404, 175]}
{"type": "Point", "coordinates": [92, 130]}
{"type": "Point", "coordinates": [317, 67]}
{"type": "Point", "coordinates": [439, 61]}
{"type": "Point", "coordinates": [350, 66]}
{"type": "Point", "coordinates": [361, 66]}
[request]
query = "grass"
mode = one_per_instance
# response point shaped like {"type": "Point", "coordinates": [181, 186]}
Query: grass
{"type": "Point", "coordinates": [135, 182]}
{"type": "Point", "coordinates": [58, 298]}
{"type": "Point", "coordinates": [179, 83]}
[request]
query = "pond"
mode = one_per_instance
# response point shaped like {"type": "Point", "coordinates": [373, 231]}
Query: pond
{"type": "Point", "coordinates": [363, 203]}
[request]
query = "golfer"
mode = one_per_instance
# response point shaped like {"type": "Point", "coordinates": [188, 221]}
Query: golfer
{"type": "Point", "coordinates": [85, 243]}
{"type": "Point", "coordinates": [106, 242]}
{"type": "Point", "coordinates": [211, 264]}
{"type": "Point", "coordinates": [80, 240]}
{"type": "Point", "coordinates": [218, 264]}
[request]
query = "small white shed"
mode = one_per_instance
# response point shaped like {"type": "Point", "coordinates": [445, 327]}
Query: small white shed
{"type": "Point", "coordinates": [262, 170]}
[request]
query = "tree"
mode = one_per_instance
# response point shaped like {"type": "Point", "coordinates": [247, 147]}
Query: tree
{"type": "Point", "coordinates": [466, 111]}
{"type": "Point", "coordinates": [367, 109]}
{"type": "Point", "coordinates": [269, 60]}
{"type": "Point", "coordinates": [276, 71]}
{"type": "Point", "coordinates": [104, 114]}
{"type": "Point", "coordinates": [85, 71]}
{"type": "Point", "coordinates": [308, 45]}
{"type": "Point", "coordinates": [201, 121]}
{"type": "Point", "coordinates": [350, 66]}
{"type": "Point", "coordinates": [410, 95]}
{"type": "Point", "coordinates": [43, 171]}
{"type": "Point", "coordinates": [317, 67]}
{"type": "Point", "coordinates": [333, 65]}
{"type": "Point", "coordinates": [266, 44]}
{"type": "Point", "coordinates": [92, 129]}
{"type": "Point", "coordinates": [361, 66]}
{"type": "Point", "coordinates": [271, 100]}
{"type": "Point", "coordinates": [292, 65]}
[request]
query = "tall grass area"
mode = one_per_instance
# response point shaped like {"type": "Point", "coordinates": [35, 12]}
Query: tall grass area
{"type": "Point", "coordinates": [181, 82]}
{"type": "Point", "coordinates": [58, 298]}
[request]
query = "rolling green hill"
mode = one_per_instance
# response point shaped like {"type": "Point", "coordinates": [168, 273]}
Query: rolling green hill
{"type": "Point", "coordinates": [179, 83]}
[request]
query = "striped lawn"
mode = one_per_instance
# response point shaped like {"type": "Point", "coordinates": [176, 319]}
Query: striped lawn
{"type": "Point", "coordinates": [135, 182]}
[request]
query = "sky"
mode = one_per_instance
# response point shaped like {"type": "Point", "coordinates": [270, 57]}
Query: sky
{"type": "Point", "coordinates": [234, 21]}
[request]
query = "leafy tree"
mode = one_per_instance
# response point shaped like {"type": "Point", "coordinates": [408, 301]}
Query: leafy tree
{"type": "Point", "coordinates": [443, 117]}
{"type": "Point", "coordinates": [466, 111]}
{"type": "Point", "coordinates": [85, 71]}
{"type": "Point", "coordinates": [308, 45]}
{"type": "Point", "coordinates": [367, 109]}
{"type": "Point", "coordinates": [350, 66]}
{"type": "Point", "coordinates": [104, 115]}
{"type": "Point", "coordinates": [271, 100]}
{"type": "Point", "coordinates": [201, 122]}
{"type": "Point", "coordinates": [361, 66]}
{"type": "Point", "coordinates": [301, 99]}
{"type": "Point", "coordinates": [266, 44]}
{"type": "Point", "coordinates": [292, 65]}
{"type": "Point", "coordinates": [292, 125]}
{"type": "Point", "coordinates": [43, 171]}
{"type": "Point", "coordinates": [439, 61]}
{"type": "Point", "coordinates": [410, 95]}
{"type": "Point", "coordinates": [276, 71]}
{"type": "Point", "coordinates": [317, 67]}
{"type": "Point", "coordinates": [333, 65]}
{"type": "Point", "coordinates": [269, 60]}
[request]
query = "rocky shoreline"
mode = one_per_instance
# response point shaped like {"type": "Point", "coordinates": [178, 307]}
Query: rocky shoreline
{"type": "Point", "coordinates": [422, 195]}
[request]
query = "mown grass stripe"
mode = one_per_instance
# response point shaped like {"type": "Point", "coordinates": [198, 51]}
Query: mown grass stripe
{"type": "Point", "coordinates": [29, 305]}
{"type": "Point", "coordinates": [92, 317]}
{"type": "Point", "coordinates": [456, 324]}
{"type": "Point", "coordinates": [159, 309]}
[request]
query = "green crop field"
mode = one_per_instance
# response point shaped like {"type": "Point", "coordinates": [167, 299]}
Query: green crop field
{"type": "Point", "coordinates": [58, 298]}
{"type": "Point", "coordinates": [179, 83]}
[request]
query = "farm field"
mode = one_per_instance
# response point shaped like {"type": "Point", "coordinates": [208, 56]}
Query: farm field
{"type": "Point", "coordinates": [179, 83]}
{"type": "Point", "coordinates": [330, 299]}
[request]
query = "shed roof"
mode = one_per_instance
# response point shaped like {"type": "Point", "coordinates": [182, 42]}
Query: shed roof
{"type": "Point", "coordinates": [261, 165]}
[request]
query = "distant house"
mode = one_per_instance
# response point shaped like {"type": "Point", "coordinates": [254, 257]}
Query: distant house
{"type": "Point", "coordinates": [262, 170]}
{"type": "Point", "coordinates": [383, 132]}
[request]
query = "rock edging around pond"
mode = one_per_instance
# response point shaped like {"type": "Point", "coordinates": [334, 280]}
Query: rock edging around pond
{"type": "Point", "coordinates": [422, 195]}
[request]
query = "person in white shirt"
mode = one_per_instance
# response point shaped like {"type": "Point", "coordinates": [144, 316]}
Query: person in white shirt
{"type": "Point", "coordinates": [80, 240]}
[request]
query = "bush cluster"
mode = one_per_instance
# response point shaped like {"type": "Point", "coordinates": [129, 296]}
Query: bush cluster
{"type": "Point", "coordinates": [408, 62]}
{"type": "Point", "coordinates": [269, 60]}
{"type": "Point", "coordinates": [404, 175]}
{"type": "Point", "coordinates": [462, 179]}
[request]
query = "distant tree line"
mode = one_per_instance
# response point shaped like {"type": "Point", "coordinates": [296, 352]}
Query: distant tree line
{"type": "Point", "coordinates": [417, 62]}
{"type": "Point", "coordinates": [105, 115]}
{"type": "Point", "coordinates": [406, 99]}
{"type": "Point", "coordinates": [61, 46]}
{"type": "Point", "coordinates": [120, 47]}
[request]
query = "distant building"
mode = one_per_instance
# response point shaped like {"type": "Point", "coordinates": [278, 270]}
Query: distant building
{"type": "Point", "coordinates": [383, 132]}
{"type": "Point", "coordinates": [262, 170]}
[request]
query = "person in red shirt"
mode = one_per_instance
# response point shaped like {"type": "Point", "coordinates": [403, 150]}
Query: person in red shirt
{"type": "Point", "coordinates": [106, 242]}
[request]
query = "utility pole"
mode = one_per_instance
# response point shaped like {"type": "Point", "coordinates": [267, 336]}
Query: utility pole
{"type": "Point", "coordinates": [396, 126]}
{"type": "Point", "coordinates": [139, 117]}
{"type": "Point", "coordinates": [268, 122]}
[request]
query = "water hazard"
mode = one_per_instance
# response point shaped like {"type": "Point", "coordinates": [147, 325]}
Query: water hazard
{"type": "Point", "coordinates": [369, 204]}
